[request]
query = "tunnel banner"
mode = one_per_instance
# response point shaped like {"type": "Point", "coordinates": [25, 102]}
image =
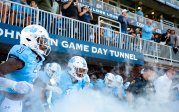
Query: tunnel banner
{"type": "Point", "coordinates": [11, 35]}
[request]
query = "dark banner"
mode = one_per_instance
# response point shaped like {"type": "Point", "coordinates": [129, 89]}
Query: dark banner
{"type": "Point", "coordinates": [11, 34]}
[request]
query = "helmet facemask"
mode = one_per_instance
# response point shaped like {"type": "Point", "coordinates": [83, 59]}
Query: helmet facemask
{"type": "Point", "coordinates": [51, 73]}
{"type": "Point", "coordinates": [78, 73]}
{"type": "Point", "coordinates": [44, 45]}
{"type": "Point", "coordinates": [52, 70]}
{"type": "Point", "coordinates": [77, 67]}
{"type": "Point", "coordinates": [119, 81]}
{"type": "Point", "coordinates": [36, 38]}
{"type": "Point", "coordinates": [109, 80]}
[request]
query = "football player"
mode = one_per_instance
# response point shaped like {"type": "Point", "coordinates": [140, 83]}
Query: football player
{"type": "Point", "coordinates": [23, 63]}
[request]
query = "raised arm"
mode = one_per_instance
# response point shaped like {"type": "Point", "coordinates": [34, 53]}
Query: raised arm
{"type": "Point", "coordinates": [66, 6]}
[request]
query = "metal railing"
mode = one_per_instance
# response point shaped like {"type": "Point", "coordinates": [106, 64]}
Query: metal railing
{"type": "Point", "coordinates": [71, 28]}
{"type": "Point", "coordinates": [174, 3]}
{"type": "Point", "coordinates": [169, 23]}
{"type": "Point", "coordinates": [162, 27]}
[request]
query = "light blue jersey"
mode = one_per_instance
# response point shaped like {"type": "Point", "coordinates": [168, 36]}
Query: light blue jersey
{"type": "Point", "coordinates": [101, 86]}
{"type": "Point", "coordinates": [43, 77]}
{"type": "Point", "coordinates": [65, 81]}
{"type": "Point", "coordinates": [29, 59]}
{"type": "Point", "coordinates": [120, 92]}
{"type": "Point", "coordinates": [109, 90]}
{"type": "Point", "coordinates": [84, 83]}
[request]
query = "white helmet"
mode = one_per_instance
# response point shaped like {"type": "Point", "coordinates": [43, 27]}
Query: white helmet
{"type": "Point", "coordinates": [109, 80]}
{"type": "Point", "coordinates": [77, 67]}
{"type": "Point", "coordinates": [36, 38]}
{"type": "Point", "coordinates": [119, 80]}
{"type": "Point", "coordinates": [52, 69]}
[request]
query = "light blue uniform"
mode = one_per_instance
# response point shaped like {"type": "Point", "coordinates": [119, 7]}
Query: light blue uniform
{"type": "Point", "coordinates": [84, 83]}
{"type": "Point", "coordinates": [49, 94]}
{"type": "Point", "coordinates": [31, 65]}
{"type": "Point", "coordinates": [120, 92]}
{"type": "Point", "coordinates": [101, 86]}
{"type": "Point", "coordinates": [65, 81]}
{"type": "Point", "coordinates": [43, 76]}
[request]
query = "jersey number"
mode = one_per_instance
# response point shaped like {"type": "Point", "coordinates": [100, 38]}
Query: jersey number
{"type": "Point", "coordinates": [21, 50]}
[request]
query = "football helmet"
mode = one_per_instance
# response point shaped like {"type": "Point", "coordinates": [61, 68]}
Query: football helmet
{"type": "Point", "coordinates": [36, 37]}
{"type": "Point", "coordinates": [52, 69]}
{"type": "Point", "coordinates": [77, 67]}
{"type": "Point", "coordinates": [119, 80]}
{"type": "Point", "coordinates": [109, 80]}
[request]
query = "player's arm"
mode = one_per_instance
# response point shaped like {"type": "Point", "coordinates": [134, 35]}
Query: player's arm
{"type": "Point", "coordinates": [10, 65]}
{"type": "Point", "coordinates": [49, 87]}
{"type": "Point", "coordinates": [21, 87]}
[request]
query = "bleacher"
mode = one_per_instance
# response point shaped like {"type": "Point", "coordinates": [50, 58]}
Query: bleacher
{"type": "Point", "coordinates": [70, 28]}
{"type": "Point", "coordinates": [117, 11]}
{"type": "Point", "coordinates": [171, 3]}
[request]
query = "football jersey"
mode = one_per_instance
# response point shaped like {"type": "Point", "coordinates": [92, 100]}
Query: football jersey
{"type": "Point", "coordinates": [30, 61]}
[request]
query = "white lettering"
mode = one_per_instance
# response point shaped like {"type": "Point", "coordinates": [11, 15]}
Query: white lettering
{"type": "Point", "coordinates": [64, 44]}
{"type": "Point", "coordinates": [86, 48]}
{"type": "Point", "coordinates": [134, 58]}
{"type": "Point", "coordinates": [1, 32]}
{"type": "Point", "coordinates": [94, 49]}
{"type": "Point", "coordinates": [105, 51]}
{"type": "Point", "coordinates": [79, 47]}
{"type": "Point", "coordinates": [72, 45]}
{"type": "Point", "coordinates": [158, 31]}
{"type": "Point", "coordinates": [76, 46]}
{"type": "Point", "coordinates": [111, 15]}
{"type": "Point", "coordinates": [126, 55]}
{"type": "Point", "coordinates": [99, 11]}
{"type": "Point", "coordinates": [9, 33]}
{"type": "Point", "coordinates": [18, 34]}
{"type": "Point", "coordinates": [100, 51]}
{"type": "Point", "coordinates": [112, 52]}
{"type": "Point", "coordinates": [121, 54]}
{"type": "Point", "coordinates": [54, 42]}
{"type": "Point", "coordinates": [140, 25]}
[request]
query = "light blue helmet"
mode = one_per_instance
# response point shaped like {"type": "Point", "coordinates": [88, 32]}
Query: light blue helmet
{"type": "Point", "coordinates": [119, 80]}
{"type": "Point", "coordinates": [77, 67]}
{"type": "Point", "coordinates": [109, 80]}
{"type": "Point", "coordinates": [52, 69]}
{"type": "Point", "coordinates": [34, 37]}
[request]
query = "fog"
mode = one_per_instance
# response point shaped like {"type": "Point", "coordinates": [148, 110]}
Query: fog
{"type": "Point", "coordinates": [94, 101]}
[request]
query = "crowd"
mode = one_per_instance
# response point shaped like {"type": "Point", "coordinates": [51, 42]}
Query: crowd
{"type": "Point", "coordinates": [22, 14]}
{"type": "Point", "coordinates": [26, 86]}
